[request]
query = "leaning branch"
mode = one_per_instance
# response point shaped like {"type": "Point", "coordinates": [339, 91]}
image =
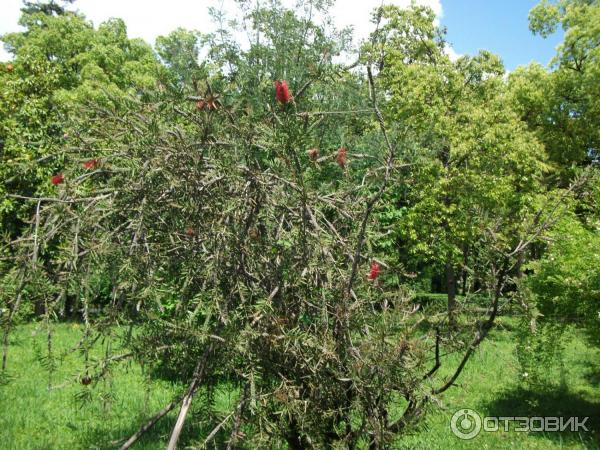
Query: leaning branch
{"type": "Point", "coordinates": [538, 229]}
{"type": "Point", "coordinates": [481, 333]}
{"type": "Point", "coordinates": [187, 399]}
{"type": "Point", "coordinates": [438, 363]}
{"type": "Point", "coordinates": [144, 428]}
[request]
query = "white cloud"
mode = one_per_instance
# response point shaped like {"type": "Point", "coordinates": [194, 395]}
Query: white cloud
{"type": "Point", "coordinates": [358, 13]}
{"type": "Point", "coordinates": [449, 50]}
{"type": "Point", "coordinates": [8, 21]}
{"type": "Point", "coordinates": [148, 19]}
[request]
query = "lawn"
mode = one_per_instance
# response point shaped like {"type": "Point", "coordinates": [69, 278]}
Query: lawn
{"type": "Point", "coordinates": [73, 416]}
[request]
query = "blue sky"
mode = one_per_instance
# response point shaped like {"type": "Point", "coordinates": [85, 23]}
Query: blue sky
{"type": "Point", "coordinates": [500, 26]}
{"type": "Point", "coordinates": [496, 25]}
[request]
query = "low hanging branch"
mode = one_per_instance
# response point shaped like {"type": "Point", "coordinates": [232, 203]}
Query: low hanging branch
{"type": "Point", "coordinates": [20, 286]}
{"type": "Point", "coordinates": [187, 399]}
{"type": "Point", "coordinates": [481, 334]}
{"type": "Point", "coordinates": [153, 421]}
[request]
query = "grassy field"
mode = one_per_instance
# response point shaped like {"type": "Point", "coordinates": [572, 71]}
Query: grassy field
{"type": "Point", "coordinates": [72, 416]}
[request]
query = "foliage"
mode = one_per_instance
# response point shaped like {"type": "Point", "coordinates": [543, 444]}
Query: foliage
{"type": "Point", "coordinates": [180, 51]}
{"type": "Point", "coordinates": [473, 169]}
{"type": "Point", "coordinates": [213, 225]}
{"type": "Point", "coordinates": [565, 292]}
{"type": "Point", "coordinates": [60, 61]}
{"type": "Point", "coordinates": [562, 106]}
{"type": "Point", "coordinates": [257, 216]}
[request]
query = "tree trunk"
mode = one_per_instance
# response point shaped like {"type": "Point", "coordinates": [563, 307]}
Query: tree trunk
{"type": "Point", "coordinates": [464, 272]}
{"type": "Point", "coordinates": [451, 290]}
{"type": "Point", "coordinates": [519, 275]}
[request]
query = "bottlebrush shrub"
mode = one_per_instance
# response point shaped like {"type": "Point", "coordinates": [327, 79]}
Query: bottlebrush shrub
{"type": "Point", "coordinates": [270, 291]}
{"type": "Point", "coordinates": [238, 263]}
{"type": "Point", "coordinates": [269, 296]}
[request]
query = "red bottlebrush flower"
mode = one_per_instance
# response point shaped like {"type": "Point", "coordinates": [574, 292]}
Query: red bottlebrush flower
{"type": "Point", "coordinates": [313, 154]}
{"type": "Point", "coordinates": [90, 164]}
{"type": "Point", "coordinates": [201, 105]}
{"type": "Point", "coordinates": [57, 179]}
{"type": "Point", "coordinates": [190, 232]}
{"type": "Point", "coordinates": [341, 157]}
{"type": "Point", "coordinates": [282, 92]}
{"type": "Point", "coordinates": [374, 272]}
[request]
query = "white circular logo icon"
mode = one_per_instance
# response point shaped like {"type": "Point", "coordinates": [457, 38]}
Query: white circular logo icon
{"type": "Point", "coordinates": [465, 424]}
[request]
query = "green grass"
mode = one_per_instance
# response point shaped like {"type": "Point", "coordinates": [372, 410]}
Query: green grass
{"type": "Point", "coordinates": [490, 386]}
{"type": "Point", "coordinates": [72, 416]}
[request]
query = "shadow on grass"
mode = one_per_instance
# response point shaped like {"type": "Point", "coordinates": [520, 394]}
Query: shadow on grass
{"type": "Point", "coordinates": [101, 438]}
{"type": "Point", "coordinates": [519, 402]}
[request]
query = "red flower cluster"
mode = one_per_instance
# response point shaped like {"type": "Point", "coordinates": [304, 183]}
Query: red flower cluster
{"type": "Point", "coordinates": [91, 163]}
{"type": "Point", "coordinates": [313, 154]}
{"type": "Point", "coordinates": [57, 179]}
{"type": "Point", "coordinates": [341, 157]}
{"type": "Point", "coordinates": [374, 272]}
{"type": "Point", "coordinates": [282, 92]}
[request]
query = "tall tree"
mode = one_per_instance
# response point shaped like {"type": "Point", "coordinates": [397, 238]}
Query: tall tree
{"type": "Point", "coordinates": [474, 165]}
{"type": "Point", "coordinates": [60, 61]}
{"type": "Point", "coordinates": [562, 106]}
{"type": "Point", "coordinates": [179, 50]}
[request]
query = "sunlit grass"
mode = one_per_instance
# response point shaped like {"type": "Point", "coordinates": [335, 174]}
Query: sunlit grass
{"type": "Point", "coordinates": [71, 415]}
{"type": "Point", "coordinates": [490, 386]}
{"type": "Point", "coordinates": [99, 416]}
